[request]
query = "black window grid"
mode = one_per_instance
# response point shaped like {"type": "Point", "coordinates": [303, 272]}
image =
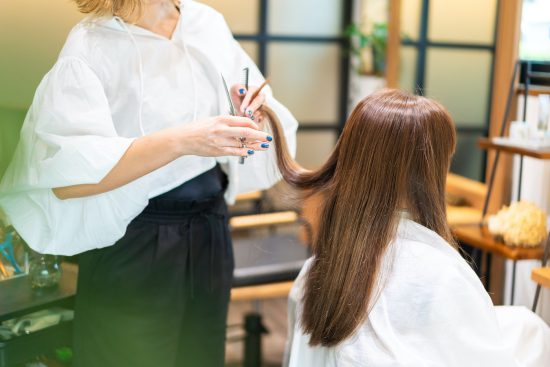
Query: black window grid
{"type": "Point", "coordinates": [423, 43]}
{"type": "Point", "coordinates": [263, 38]}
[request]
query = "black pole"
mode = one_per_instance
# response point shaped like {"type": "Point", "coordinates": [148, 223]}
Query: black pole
{"type": "Point", "coordinates": [502, 131]}
{"type": "Point", "coordinates": [525, 97]}
{"type": "Point", "coordinates": [520, 174]}
{"type": "Point", "coordinates": [262, 44]}
{"type": "Point", "coordinates": [526, 89]}
{"type": "Point", "coordinates": [422, 49]}
{"type": "Point", "coordinates": [345, 66]}
{"type": "Point", "coordinates": [513, 290]}
{"type": "Point", "coordinates": [253, 340]}
{"type": "Point", "coordinates": [488, 261]}
{"type": "Point", "coordinates": [543, 263]}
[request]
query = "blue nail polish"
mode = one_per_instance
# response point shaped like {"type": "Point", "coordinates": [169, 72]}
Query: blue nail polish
{"type": "Point", "coordinates": [250, 112]}
{"type": "Point", "coordinates": [241, 91]}
{"type": "Point", "coordinates": [252, 118]}
{"type": "Point", "coordinates": [265, 145]}
{"type": "Point", "coordinates": [250, 152]}
{"type": "Point", "coordinates": [269, 138]}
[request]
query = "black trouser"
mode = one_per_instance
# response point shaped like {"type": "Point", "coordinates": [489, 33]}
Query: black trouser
{"type": "Point", "coordinates": [159, 296]}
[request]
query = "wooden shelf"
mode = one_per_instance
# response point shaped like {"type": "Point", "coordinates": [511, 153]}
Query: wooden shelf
{"type": "Point", "coordinates": [534, 90]}
{"type": "Point", "coordinates": [18, 298]}
{"type": "Point", "coordinates": [461, 215]}
{"type": "Point", "coordinates": [480, 237]}
{"type": "Point", "coordinates": [534, 153]}
{"type": "Point", "coordinates": [18, 350]}
{"type": "Point", "coordinates": [541, 276]}
{"type": "Point", "coordinates": [473, 192]}
{"type": "Point", "coordinates": [262, 220]}
{"type": "Point", "coordinates": [264, 291]}
{"type": "Point", "coordinates": [248, 196]}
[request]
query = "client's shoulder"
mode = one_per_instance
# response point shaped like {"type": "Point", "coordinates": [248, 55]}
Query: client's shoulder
{"type": "Point", "coordinates": [413, 239]}
{"type": "Point", "coordinates": [423, 255]}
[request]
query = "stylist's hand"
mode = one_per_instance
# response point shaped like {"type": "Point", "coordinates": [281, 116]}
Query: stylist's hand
{"type": "Point", "coordinates": [219, 136]}
{"type": "Point", "coordinates": [242, 99]}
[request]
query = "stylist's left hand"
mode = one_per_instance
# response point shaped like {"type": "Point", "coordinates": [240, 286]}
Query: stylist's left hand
{"type": "Point", "coordinates": [242, 101]}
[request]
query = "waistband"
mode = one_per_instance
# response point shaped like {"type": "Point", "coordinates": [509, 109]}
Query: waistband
{"type": "Point", "coordinates": [203, 194]}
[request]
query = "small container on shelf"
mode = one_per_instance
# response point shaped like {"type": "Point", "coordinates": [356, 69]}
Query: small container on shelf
{"type": "Point", "coordinates": [14, 255]}
{"type": "Point", "coordinates": [44, 271]}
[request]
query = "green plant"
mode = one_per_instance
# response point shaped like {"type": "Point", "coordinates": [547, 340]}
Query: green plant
{"type": "Point", "coordinates": [369, 48]}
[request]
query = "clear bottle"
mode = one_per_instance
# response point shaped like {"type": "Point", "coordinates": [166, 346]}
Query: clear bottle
{"type": "Point", "coordinates": [45, 271]}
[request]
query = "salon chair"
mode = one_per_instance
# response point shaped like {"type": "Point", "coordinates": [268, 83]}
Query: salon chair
{"type": "Point", "coordinates": [265, 267]}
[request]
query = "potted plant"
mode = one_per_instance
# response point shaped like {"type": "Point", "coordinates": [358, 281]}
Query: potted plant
{"type": "Point", "coordinates": [369, 48]}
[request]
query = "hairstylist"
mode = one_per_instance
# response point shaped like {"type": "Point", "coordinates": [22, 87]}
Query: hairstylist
{"type": "Point", "coordinates": [128, 157]}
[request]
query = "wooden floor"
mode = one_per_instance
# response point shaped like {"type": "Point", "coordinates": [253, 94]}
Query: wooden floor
{"type": "Point", "coordinates": [274, 313]}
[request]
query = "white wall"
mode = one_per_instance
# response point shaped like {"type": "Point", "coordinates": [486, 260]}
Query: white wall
{"type": "Point", "coordinates": [32, 33]}
{"type": "Point", "coordinates": [535, 188]}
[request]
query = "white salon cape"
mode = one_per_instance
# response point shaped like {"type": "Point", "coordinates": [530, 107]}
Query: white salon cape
{"type": "Point", "coordinates": [431, 311]}
{"type": "Point", "coordinates": [87, 111]}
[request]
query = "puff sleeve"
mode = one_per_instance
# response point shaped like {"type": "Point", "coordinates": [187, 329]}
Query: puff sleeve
{"type": "Point", "coordinates": [69, 138]}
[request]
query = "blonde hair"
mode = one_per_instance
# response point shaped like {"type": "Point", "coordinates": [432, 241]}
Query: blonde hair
{"type": "Point", "coordinates": [129, 10]}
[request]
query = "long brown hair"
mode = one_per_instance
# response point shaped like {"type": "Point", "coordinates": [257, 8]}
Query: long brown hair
{"type": "Point", "coordinates": [394, 153]}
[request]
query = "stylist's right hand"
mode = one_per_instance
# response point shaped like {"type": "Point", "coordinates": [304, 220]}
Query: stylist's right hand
{"type": "Point", "coordinates": [219, 136]}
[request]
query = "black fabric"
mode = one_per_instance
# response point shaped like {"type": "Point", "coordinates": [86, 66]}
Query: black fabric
{"type": "Point", "coordinates": [159, 296]}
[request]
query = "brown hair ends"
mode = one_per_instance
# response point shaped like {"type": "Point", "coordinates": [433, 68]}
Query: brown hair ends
{"type": "Point", "coordinates": [394, 153]}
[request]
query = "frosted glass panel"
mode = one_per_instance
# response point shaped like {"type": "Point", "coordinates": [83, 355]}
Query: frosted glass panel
{"type": "Point", "coordinates": [305, 78]}
{"type": "Point", "coordinates": [467, 21]}
{"type": "Point", "coordinates": [410, 18]}
{"type": "Point", "coordinates": [241, 15]}
{"type": "Point", "coordinates": [372, 12]}
{"type": "Point", "coordinates": [305, 17]}
{"type": "Point", "coordinates": [251, 48]}
{"type": "Point", "coordinates": [407, 65]}
{"type": "Point", "coordinates": [460, 79]}
{"type": "Point", "coordinates": [314, 148]}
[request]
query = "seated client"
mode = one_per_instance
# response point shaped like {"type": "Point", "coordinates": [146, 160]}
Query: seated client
{"type": "Point", "coordinates": [386, 285]}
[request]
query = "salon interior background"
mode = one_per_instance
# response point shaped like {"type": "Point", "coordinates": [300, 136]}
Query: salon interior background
{"type": "Point", "coordinates": [300, 45]}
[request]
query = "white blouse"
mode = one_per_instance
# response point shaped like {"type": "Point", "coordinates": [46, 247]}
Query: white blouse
{"type": "Point", "coordinates": [112, 83]}
{"type": "Point", "coordinates": [432, 311]}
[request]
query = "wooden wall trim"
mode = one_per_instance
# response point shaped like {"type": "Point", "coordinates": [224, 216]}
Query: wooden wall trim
{"type": "Point", "coordinates": [506, 54]}
{"type": "Point", "coordinates": [394, 44]}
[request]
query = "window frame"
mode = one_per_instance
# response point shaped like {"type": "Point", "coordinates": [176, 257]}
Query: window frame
{"type": "Point", "coordinates": [423, 44]}
{"type": "Point", "coordinates": [263, 38]}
